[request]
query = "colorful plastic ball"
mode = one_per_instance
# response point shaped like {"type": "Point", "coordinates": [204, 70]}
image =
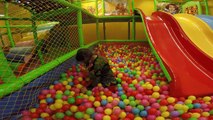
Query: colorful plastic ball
{"type": "Point", "coordinates": [197, 105]}
{"type": "Point", "coordinates": [108, 111]}
{"type": "Point", "coordinates": [99, 109]}
{"type": "Point", "coordinates": [106, 117]}
{"type": "Point", "coordinates": [207, 98]}
{"type": "Point", "coordinates": [123, 96]}
{"type": "Point", "coordinates": [116, 111]}
{"type": "Point", "coordinates": [133, 103]}
{"type": "Point", "coordinates": [122, 115]}
{"type": "Point", "coordinates": [71, 100]}
{"type": "Point", "coordinates": [151, 117]}
{"type": "Point", "coordinates": [110, 99]}
{"type": "Point", "coordinates": [165, 114]}
{"type": "Point", "coordinates": [155, 95]}
{"type": "Point", "coordinates": [59, 115]}
{"type": "Point", "coordinates": [79, 115]}
{"type": "Point", "coordinates": [135, 111]}
{"type": "Point", "coordinates": [138, 118]}
{"type": "Point", "coordinates": [175, 114]}
{"type": "Point", "coordinates": [58, 105]}
{"type": "Point", "coordinates": [98, 116]}
{"type": "Point", "coordinates": [121, 104]}
{"type": "Point", "coordinates": [74, 108]}
{"type": "Point", "coordinates": [104, 102]}
{"type": "Point", "coordinates": [126, 101]}
{"type": "Point", "coordinates": [90, 111]}
{"type": "Point", "coordinates": [128, 108]}
{"type": "Point", "coordinates": [191, 97]}
{"type": "Point", "coordinates": [96, 103]}
{"type": "Point", "coordinates": [143, 113]}
{"type": "Point", "coordinates": [171, 99]}
{"type": "Point", "coordinates": [68, 113]}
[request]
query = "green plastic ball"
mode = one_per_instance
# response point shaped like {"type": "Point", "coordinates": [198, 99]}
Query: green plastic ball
{"type": "Point", "coordinates": [79, 115]}
{"type": "Point", "coordinates": [59, 115]}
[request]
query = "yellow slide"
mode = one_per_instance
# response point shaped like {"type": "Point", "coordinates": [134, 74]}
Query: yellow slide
{"type": "Point", "coordinates": [198, 32]}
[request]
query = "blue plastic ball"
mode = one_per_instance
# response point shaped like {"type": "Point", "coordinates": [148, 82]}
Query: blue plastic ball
{"type": "Point", "coordinates": [104, 102]}
{"type": "Point", "coordinates": [135, 111]}
{"type": "Point", "coordinates": [143, 113]}
{"type": "Point", "coordinates": [49, 100]}
{"type": "Point", "coordinates": [121, 104]}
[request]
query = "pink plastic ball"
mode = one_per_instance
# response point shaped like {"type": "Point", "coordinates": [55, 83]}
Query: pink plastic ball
{"type": "Point", "coordinates": [52, 91]}
{"type": "Point", "coordinates": [128, 108]}
{"type": "Point", "coordinates": [140, 89]}
{"type": "Point", "coordinates": [145, 102]}
{"type": "Point", "coordinates": [151, 117]}
{"type": "Point", "coordinates": [64, 98]}
{"type": "Point", "coordinates": [139, 96]}
{"type": "Point", "coordinates": [115, 102]}
{"type": "Point", "coordinates": [117, 111]}
{"type": "Point", "coordinates": [99, 109]}
{"type": "Point", "coordinates": [155, 105]}
{"type": "Point", "coordinates": [170, 108]}
{"type": "Point", "coordinates": [152, 100]}
{"type": "Point", "coordinates": [98, 116]}
{"type": "Point", "coordinates": [88, 104]}
{"type": "Point", "coordinates": [25, 113]}
{"type": "Point", "coordinates": [109, 105]}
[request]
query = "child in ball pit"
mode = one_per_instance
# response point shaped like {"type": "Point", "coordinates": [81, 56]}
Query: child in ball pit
{"type": "Point", "coordinates": [99, 69]}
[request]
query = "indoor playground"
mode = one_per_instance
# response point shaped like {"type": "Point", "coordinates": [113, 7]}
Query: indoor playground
{"type": "Point", "coordinates": [160, 53]}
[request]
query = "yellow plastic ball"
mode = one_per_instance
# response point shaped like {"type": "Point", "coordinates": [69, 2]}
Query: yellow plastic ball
{"type": "Point", "coordinates": [100, 85]}
{"type": "Point", "coordinates": [185, 108]}
{"type": "Point", "coordinates": [43, 101]}
{"type": "Point", "coordinates": [96, 103]}
{"type": "Point", "coordinates": [205, 114]}
{"type": "Point", "coordinates": [101, 93]}
{"type": "Point", "coordinates": [68, 87]}
{"type": "Point", "coordinates": [52, 107]}
{"type": "Point", "coordinates": [207, 98]}
{"type": "Point", "coordinates": [156, 88]}
{"type": "Point", "coordinates": [110, 99]}
{"type": "Point", "coordinates": [108, 111]}
{"type": "Point", "coordinates": [103, 97]}
{"type": "Point", "coordinates": [178, 106]}
{"type": "Point", "coordinates": [69, 80]}
{"type": "Point", "coordinates": [48, 95]}
{"type": "Point", "coordinates": [73, 108]}
{"type": "Point", "coordinates": [51, 86]}
{"type": "Point", "coordinates": [160, 118]}
{"type": "Point", "coordinates": [126, 101]}
{"type": "Point", "coordinates": [86, 116]}
{"type": "Point", "coordinates": [163, 108]}
{"type": "Point", "coordinates": [91, 98]}
{"type": "Point", "coordinates": [155, 95]}
{"type": "Point", "coordinates": [195, 115]}
{"type": "Point", "coordinates": [65, 82]}
{"type": "Point", "coordinates": [80, 79]}
{"type": "Point", "coordinates": [188, 101]}
{"type": "Point", "coordinates": [65, 102]}
{"type": "Point", "coordinates": [117, 99]}
{"type": "Point", "coordinates": [72, 93]}
{"type": "Point", "coordinates": [120, 75]}
{"type": "Point", "coordinates": [149, 86]}
{"type": "Point", "coordinates": [165, 114]}
{"type": "Point", "coordinates": [33, 110]}
{"type": "Point", "coordinates": [79, 86]}
{"type": "Point", "coordinates": [122, 115]}
{"type": "Point", "coordinates": [191, 97]}
{"type": "Point", "coordinates": [171, 99]}
{"type": "Point", "coordinates": [58, 105]}
{"type": "Point", "coordinates": [59, 92]}
{"type": "Point", "coordinates": [106, 117]}
{"type": "Point", "coordinates": [85, 96]}
{"type": "Point", "coordinates": [134, 82]}
{"type": "Point", "coordinates": [59, 101]}
{"type": "Point", "coordinates": [43, 115]}
{"type": "Point", "coordinates": [138, 118]}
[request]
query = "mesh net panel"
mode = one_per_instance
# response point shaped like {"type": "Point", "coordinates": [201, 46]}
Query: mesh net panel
{"type": "Point", "coordinates": [33, 33]}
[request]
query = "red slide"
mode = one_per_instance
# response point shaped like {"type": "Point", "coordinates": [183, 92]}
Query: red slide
{"type": "Point", "coordinates": [191, 70]}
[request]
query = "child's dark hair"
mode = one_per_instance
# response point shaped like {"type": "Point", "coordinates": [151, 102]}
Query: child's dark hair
{"type": "Point", "coordinates": [83, 54]}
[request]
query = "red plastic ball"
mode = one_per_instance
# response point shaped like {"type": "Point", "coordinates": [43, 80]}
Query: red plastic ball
{"type": "Point", "coordinates": [43, 105]}
{"type": "Point", "coordinates": [186, 116]}
{"type": "Point", "coordinates": [78, 101]}
{"type": "Point", "coordinates": [82, 108]}
{"type": "Point", "coordinates": [34, 115]}
{"type": "Point", "coordinates": [130, 116]}
{"type": "Point", "coordinates": [98, 98]}
{"type": "Point", "coordinates": [152, 111]}
{"type": "Point", "coordinates": [48, 118]}
{"type": "Point", "coordinates": [114, 117]}
{"type": "Point", "coordinates": [40, 97]}
{"type": "Point", "coordinates": [66, 107]}
{"type": "Point", "coordinates": [164, 102]}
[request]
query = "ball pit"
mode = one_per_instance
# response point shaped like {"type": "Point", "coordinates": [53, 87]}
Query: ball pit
{"type": "Point", "coordinates": [142, 92]}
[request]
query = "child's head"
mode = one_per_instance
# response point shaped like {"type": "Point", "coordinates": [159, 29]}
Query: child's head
{"type": "Point", "coordinates": [84, 55]}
